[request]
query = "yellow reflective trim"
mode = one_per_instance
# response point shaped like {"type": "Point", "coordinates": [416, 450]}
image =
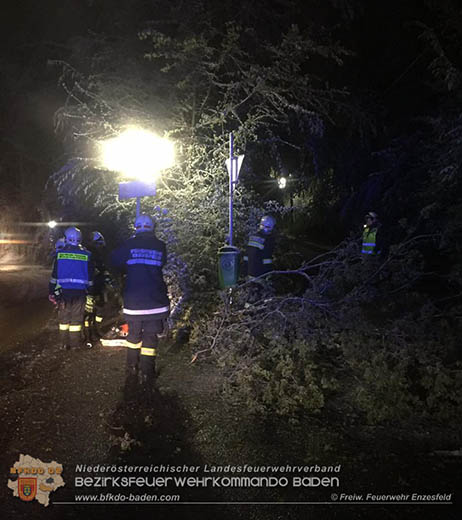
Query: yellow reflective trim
{"type": "Point", "coordinates": [145, 351]}
{"type": "Point", "coordinates": [64, 326]}
{"type": "Point", "coordinates": [87, 323]}
{"type": "Point", "coordinates": [133, 345]}
{"type": "Point", "coordinates": [72, 256]}
{"type": "Point", "coordinates": [98, 319]}
{"type": "Point", "coordinates": [75, 328]}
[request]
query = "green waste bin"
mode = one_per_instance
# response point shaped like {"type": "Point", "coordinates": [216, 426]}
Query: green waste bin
{"type": "Point", "coordinates": [228, 266]}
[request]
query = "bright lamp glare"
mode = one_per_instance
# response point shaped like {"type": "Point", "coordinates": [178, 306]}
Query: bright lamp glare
{"type": "Point", "coordinates": [282, 182]}
{"type": "Point", "coordinates": [138, 154]}
{"type": "Point", "coordinates": [52, 224]}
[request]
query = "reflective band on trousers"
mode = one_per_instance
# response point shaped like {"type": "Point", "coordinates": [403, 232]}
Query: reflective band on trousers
{"type": "Point", "coordinates": [267, 261]}
{"type": "Point", "coordinates": [255, 244]}
{"type": "Point", "coordinates": [75, 328]}
{"type": "Point", "coordinates": [146, 351]}
{"type": "Point", "coordinates": [64, 326]}
{"type": "Point", "coordinates": [140, 312]}
{"type": "Point", "coordinates": [133, 345]}
{"type": "Point", "coordinates": [98, 319]}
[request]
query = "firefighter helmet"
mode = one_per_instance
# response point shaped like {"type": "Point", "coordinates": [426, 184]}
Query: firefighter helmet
{"type": "Point", "coordinates": [267, 224]}
{"type": "Point", "coordinates": [143, 223]}
{"type": "Point", "coordinates": [73, 236]}
{"type": "Point", "coordinates": [60, 243]}
{"type": "Point", "coordinates": [373, 215]}
{"type": "Point", "coordinates": [98, 239]}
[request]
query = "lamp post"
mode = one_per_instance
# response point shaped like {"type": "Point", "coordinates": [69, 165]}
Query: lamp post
{"type": "Point", "coordinates": [233, 164]}
{"type": "Point", "coordinates": [228, 256]}
{"type": "Point", "coordinates": [139, 156]}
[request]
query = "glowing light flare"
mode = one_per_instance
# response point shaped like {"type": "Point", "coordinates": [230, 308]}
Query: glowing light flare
{"type": "Point", "coordinates": [282, 182]}
{"type": "Point", "coordinates": [137, 154]}
{"type": "Point", "coordinates": [12, 241]}
{"type": "Point", "coordinates": [52, 224]}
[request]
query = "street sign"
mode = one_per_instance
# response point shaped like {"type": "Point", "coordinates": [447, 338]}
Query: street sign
{"type": "Point", "coordinates": [135, 189]}
{"type": "Point", "coordinates": [236, 166]}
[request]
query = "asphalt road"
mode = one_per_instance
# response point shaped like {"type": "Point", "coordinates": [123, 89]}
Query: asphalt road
{"type": "Point", "coordinates": [24, 305]}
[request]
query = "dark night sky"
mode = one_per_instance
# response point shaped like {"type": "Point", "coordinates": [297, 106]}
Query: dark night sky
{"type": "Point", "coordinates": [33, 32]}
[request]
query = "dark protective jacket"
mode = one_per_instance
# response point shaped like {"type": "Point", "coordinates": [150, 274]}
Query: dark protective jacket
{"type": "Point", "coordinates": [258, 259]}
{"type": "Point", "coordinates": [72, 271]}
{"type": "Point", "coordinates": [101, 275]}
{"type": "Point", "coordinates": [141, 258]}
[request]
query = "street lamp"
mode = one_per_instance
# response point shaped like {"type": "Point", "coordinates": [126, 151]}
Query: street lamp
{"type": "Point", "coordinates": [282, 182]}
{"type": "Point", "coordinates": [137, 154]}
{"type": "Point", "coordinates": [141, 156]}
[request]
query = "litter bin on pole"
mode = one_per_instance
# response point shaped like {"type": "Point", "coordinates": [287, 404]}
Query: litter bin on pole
{"type": "Point", "coordinates": [228, 266]}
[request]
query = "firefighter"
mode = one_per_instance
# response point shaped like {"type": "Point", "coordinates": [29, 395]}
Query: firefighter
{"type": "Point", "coordinates": [146, 303]}
{"type": "Point", "coordinates": [60, 244]}
{"type": "Point", "coordinates": [259, 255]}
{"type": "Point", "coordinates": [372, 242]}
{"type": "Point", "coordinates": [95, 303]}
{"type": "Point", "coordinates": [72, 277]}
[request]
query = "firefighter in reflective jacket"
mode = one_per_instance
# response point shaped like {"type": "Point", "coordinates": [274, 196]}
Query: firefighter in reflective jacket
{"type": "Point", "coordinates": [371, 244]}
{"type": "Point", "coordinates": [146, 303]}
{"type": "Point", "coordinates": [71, 280]}
{"type": "Point", "coordinates": [259, 255]}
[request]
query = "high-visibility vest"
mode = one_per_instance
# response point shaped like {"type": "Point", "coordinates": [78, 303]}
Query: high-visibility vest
{"type": "Point", "coordinates": [369, 241]}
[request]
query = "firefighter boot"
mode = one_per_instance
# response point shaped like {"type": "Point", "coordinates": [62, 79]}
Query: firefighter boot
{"type": "Point", "coordinates": [133, 357]}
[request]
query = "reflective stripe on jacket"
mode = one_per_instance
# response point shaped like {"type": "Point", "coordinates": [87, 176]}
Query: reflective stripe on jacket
{"type": "Point", "coordinates": [369, 241]}
{"type": "Point", "coordinates": [258, 258]}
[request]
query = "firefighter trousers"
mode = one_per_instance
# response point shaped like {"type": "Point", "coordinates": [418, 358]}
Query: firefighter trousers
{"type": "Point", "coordinates": [142, 342]}
{"type": "Point", "coordinates": [70, 316]}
